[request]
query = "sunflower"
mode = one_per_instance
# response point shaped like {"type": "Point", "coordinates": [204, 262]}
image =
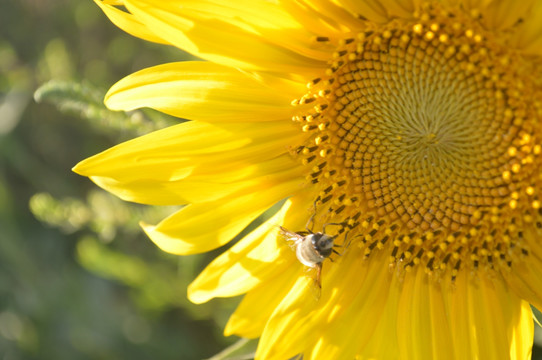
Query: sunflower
{"type": "Point", "coordinates": [409, 132]}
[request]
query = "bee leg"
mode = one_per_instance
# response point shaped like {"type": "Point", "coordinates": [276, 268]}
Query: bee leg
{"type": "Point", "coordinates": [346, 243]}
{"type": "Point", "coordinates": [309, 231]}
{"type": "Point", "coordinates": [318, 275]}
{"type": "Point", "coordinates": [311, 219]}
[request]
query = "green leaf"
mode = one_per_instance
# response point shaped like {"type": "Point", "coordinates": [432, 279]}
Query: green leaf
{"type": "Point", "coordinates": [243, 349]}
{"type": "Point", "coordinates": [85, 101]}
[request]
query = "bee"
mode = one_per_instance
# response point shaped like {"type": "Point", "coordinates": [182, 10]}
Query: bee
{"type": "Point", "coordinates": [311, 249]}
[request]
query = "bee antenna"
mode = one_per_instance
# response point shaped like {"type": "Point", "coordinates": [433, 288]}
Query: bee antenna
{"type": "Point", "coordinates": [324, 227]}
{"type": "Point", "coordinates": [311, 219]}
{"type": "Point", "coordinates": [308, 222]}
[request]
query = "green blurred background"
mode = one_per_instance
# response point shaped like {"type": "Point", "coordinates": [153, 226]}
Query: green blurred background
{"type": "Point", "coordinates": [78, 279]}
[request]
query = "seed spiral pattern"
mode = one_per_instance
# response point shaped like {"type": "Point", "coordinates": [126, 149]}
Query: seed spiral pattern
{"type": "Point", "coordinates": [424, 139]}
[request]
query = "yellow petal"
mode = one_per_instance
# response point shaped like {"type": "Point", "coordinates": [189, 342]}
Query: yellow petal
{"type": "Point", "coordinates": [383, 343]}
{"type": "Point", "coordinates": [128, 23]}
{"type": "Point", "coordinates": [220, 40]}
{"type": "Point", "coordinates": [192, 161]}
{"type": "Point", "coordinates": [522, 336]}
{"type": "Point", "coordinates": [205, 226]}
{"type": "Point", "coordinates": [249, 320]}
{"type": "Point", "coordinates": [203, 91]}
{"type": "Point", "coordinates": [504, 322]}
{"type": "Point", "coordinates": [502, 14]}
{"type": "Point", "coordinates": [175, 149]}
{"type": "Point", "coordinates": [372, 10]}
{"type": "Point", "coordinates": [252, 314]}
{"type": "Point", "coordinates": [401, 8]}
{"type": "Point", "coordinates": [469, 5]}
{"type": "Point", "coordinates": [353, 298]}
{"type": "Point", "coordinates": [323, 17]}
{"type": "Point", "coordinates": [470, 319]}
{"type": "Point", "coordinates": [258, 257]}
{"type": "Point", "coordinates": [315, 22]}
{"type": "Point", "coordinates": [528, 36]}
{"type": "Point", "coordinates": [363, 310]}
{"type": "Point", "coordinates": [290, 315]}
{"type": "Point", "coordinates": [201, 188]}
{"type": "Point", "coordinates": [526, 281]}
{"type": "Point", "coordinates": [526, 275]}
{"type": "Point", "coordinates": [423, 311]}
{"type": "Point", "coordinates": [252, 260]}
{"type": "Point", "coordinates": [269, 20]}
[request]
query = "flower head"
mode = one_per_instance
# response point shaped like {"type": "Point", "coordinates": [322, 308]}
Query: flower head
{"type": "Point", "coordinates": [409, 133]}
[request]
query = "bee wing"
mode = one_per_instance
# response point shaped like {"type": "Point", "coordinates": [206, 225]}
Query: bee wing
{"type": "Point", "coordinates": [292, 238]}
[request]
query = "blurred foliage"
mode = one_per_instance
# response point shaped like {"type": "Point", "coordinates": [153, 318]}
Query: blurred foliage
{"type": "Point", "coordinates": [87, 102]}
{"type": "Point", "coordinates": [78, 279]}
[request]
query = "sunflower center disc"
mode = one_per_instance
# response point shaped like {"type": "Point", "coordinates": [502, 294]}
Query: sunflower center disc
{"type": "Point", "coordinates": [424, 142]}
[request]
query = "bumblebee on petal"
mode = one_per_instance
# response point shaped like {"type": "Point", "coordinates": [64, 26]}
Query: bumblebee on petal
{"type": "Point", "coordinates": [311, 249]}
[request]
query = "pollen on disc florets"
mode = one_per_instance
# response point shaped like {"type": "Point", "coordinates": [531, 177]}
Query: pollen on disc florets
{"type": "Point", "coordinates": [424, 140]}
